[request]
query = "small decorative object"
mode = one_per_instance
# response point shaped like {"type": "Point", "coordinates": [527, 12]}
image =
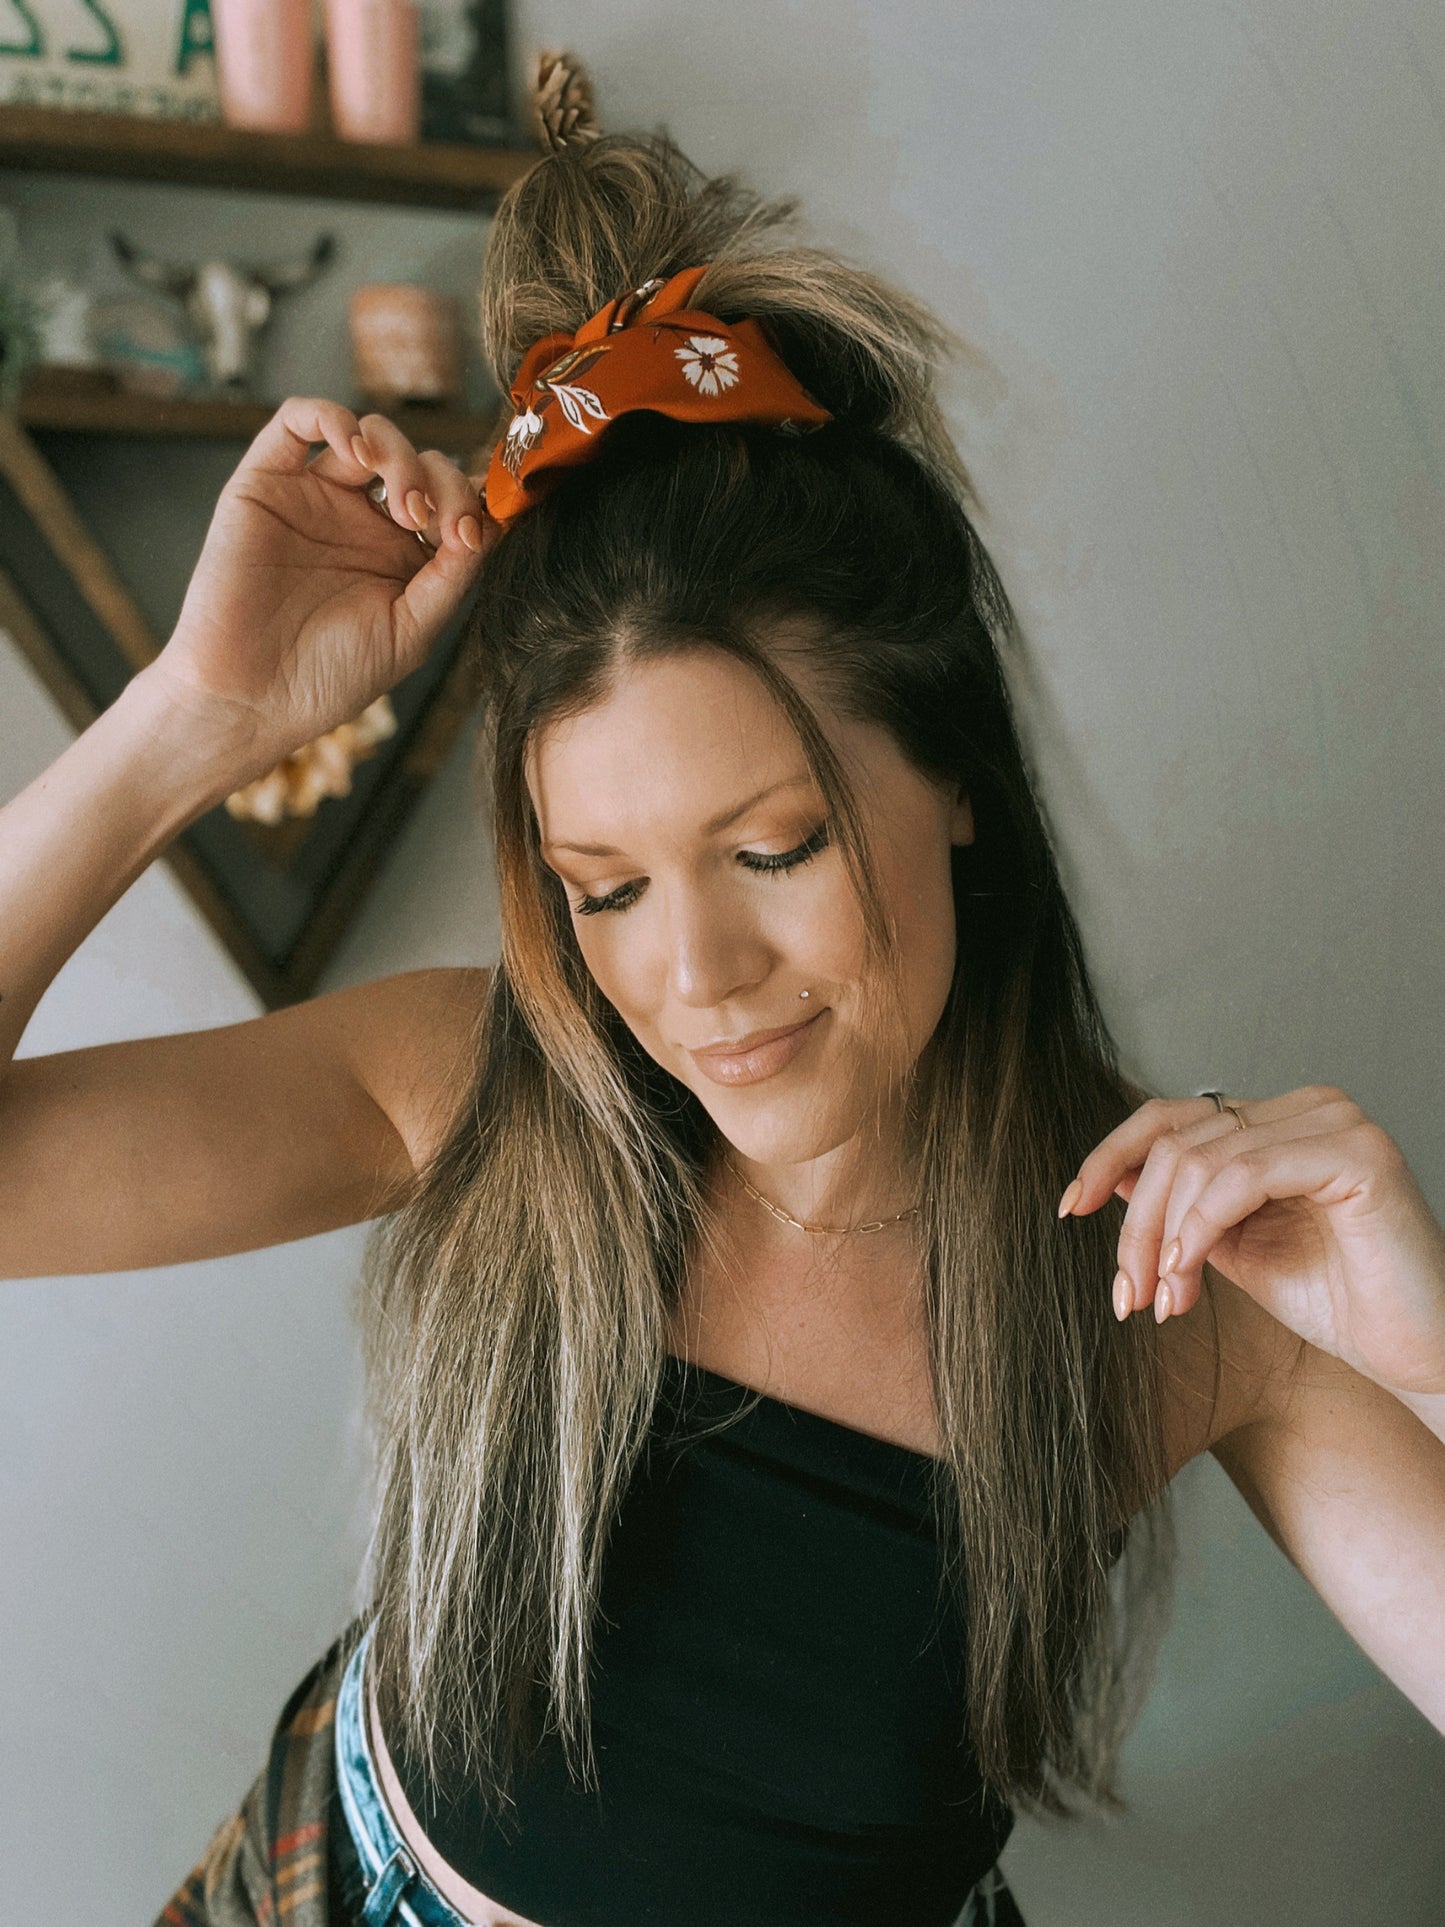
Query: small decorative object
{"type": "Point", "coordinates": [228, 305]}
{"type": "Point", "coordinates": [148, 346]}
{"type": "Point", "coordinates": [563, 108]}
{"type": "Point", "coordinates": [372, 50]}
{"type": "Point", "coordinates": [20, 339]}
{"type": "Point", "coordinates": [320, 768]}
{"type": "Point", "coordinates": [266, 61]}
{"type": "Point", "coordinates": [464, 71]}
{"type": "Point", "coordinates": [65, 310]}
{"type": "Point", "coordinates": [406, 344]}
{"type": "Point", "coordinates": [19, 343]}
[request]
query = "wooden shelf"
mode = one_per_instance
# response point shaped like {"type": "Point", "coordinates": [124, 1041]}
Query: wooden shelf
{"type": "Point", "coordinates": [206, 154]}
{"type": "Point", "coordinates": [279, 902]}
{"type": "Point", "coordinates": [215, 418]}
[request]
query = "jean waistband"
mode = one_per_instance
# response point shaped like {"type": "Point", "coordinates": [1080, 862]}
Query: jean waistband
{"type": "Point", "coordinates": [396, 1888]}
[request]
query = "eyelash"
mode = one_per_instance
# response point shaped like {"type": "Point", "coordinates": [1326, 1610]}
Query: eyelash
{"type": "Point", "coordinates": [761, 865]}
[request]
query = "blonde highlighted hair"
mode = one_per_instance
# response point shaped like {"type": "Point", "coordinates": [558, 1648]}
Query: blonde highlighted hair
{"type": "Point", "coordinates": [517, 1309]}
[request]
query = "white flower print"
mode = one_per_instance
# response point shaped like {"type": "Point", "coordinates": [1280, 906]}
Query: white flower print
{"type": "Point", "coordinates": [523, 433]}
{"type": "Point", "coordinates": [708, 363]}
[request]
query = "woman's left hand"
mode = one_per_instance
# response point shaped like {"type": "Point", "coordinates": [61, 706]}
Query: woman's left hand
{"type": "Point", "coordinates": [1311, 1209]}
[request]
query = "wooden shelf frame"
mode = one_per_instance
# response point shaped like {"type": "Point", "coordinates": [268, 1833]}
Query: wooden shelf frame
{"type": "Point", "coordinates": [403, 772]}
{"type": "Point", "coordinates": [207, 154]}
{"type": "Point", "coordinates": [68, 571]}
{"type": "Point", "coordinates": [219, 418]}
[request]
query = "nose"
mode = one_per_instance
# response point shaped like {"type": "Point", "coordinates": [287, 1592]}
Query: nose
{"type": "Point", "coordinates": [714, 951]}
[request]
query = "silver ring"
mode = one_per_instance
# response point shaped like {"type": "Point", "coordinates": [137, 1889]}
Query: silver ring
{"type": "Point", "coordinates": [377, 496]}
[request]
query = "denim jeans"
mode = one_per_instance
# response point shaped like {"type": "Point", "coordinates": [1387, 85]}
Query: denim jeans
{"type": "Point", "coordinates": [396, 1890]}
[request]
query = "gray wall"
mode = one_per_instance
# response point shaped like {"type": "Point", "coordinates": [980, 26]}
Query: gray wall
{"type": "Point", "coordinates": [1197, 255]}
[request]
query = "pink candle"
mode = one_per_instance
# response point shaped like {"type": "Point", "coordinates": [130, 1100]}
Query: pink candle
{"type": "Point", "coordinates": [375, 76]}
{"type": "Point", "coordinates": [265, 58]}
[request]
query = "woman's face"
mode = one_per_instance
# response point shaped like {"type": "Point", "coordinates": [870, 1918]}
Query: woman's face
{"type": "Point", "coordinates": [680, 815]}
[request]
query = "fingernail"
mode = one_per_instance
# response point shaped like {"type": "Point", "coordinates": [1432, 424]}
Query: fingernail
{"type": "Point", "coordinates": [416, 506]}
{"type": "Point", "coordinates": [1123, 1296]}
{"type": "Point", "coordinates": [1070, 1198]}
{"type": "Point", "coordinates": [361, 451]}
{"type": "Point", "coordinates": [1170, 1260]}
{"type": "Point", "coordinates": [1163, 1304]}
{"type": "Point", "coordinates": [430, 503]}
{"type": "Point", "coordinates": [469, 529]}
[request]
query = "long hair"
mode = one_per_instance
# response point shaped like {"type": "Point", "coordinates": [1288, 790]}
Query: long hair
{"type": "Point", "coordinates": [517, 1307]}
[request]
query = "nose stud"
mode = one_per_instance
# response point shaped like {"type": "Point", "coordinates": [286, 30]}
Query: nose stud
{"type": "Point", "coordinates": [805, 993]}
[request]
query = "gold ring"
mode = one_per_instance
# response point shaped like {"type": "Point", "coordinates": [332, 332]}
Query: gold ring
{"type": "Point", "coordinates": [1220, 1105]}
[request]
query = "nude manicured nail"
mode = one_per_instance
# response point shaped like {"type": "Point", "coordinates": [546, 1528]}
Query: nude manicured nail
{"type": "Point", "coordinates": [469, 529]}
{"type": "Point", "coordinates": [1163, 1303]}
{"type": "Point", "coordinates": [1070, 1198]}
{"type": "Point", "coordinates": [1123, 1296]}
{"type": "Point", "coordinates": [416, 506]}
{"type": "Point", "coordinates": [362, 452]}
{"type": "Point", "coordinates": [1170, 1260]}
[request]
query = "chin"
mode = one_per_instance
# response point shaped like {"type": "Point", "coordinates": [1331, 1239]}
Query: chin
{"type": "Point", "coordinates": [778, 1133]}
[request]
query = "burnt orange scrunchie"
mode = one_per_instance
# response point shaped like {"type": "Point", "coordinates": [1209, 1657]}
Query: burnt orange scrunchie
{"type": "Point", "coordinates": [647, 349]}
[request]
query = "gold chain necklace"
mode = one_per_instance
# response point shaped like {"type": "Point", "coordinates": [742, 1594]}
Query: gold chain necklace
{"type": "Point", "coordinates": [817, 1230]}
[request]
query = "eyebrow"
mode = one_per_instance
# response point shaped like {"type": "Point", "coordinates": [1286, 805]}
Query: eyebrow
{"type": "Point", "coordinates": [718, 823]}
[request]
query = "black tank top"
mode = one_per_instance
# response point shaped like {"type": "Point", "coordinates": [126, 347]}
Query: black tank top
{"type": "Point", "coordinates": [778, 1704]}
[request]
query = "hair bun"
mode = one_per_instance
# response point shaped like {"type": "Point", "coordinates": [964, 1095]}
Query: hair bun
{"type": "Point", "coordinates": [564, 109]}
{"type": "Point", "coordinates": [602, 213]}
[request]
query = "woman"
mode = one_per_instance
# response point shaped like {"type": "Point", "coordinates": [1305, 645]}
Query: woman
{"type": "Point", "coordinates": [771, 1485]}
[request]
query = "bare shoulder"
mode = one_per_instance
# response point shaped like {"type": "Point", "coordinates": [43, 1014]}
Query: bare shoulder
{"type": "Point", "coordinates": [411, 1042]}
{"type": "Point", "coordinates": [1224, 1364]}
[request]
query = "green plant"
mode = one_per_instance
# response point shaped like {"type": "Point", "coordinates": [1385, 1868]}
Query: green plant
{"type": "Point", "coordinates": [20, 343]}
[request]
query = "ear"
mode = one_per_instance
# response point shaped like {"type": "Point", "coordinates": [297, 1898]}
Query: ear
{"type": "Point", "coordinates": [961, 819]}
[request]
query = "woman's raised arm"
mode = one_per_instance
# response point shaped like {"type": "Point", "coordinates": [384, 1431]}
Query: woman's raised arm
{"type": "Point", "coordinates": [1312, 1220]}
{"type": "Point", "coordinates": [304, 606]}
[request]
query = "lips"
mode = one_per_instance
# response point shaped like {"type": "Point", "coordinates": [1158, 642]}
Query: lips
{"type": "Point", "coordinates": [762, 1054]}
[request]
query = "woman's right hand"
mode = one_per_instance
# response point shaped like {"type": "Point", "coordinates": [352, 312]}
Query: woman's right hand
{"type": "Point", "coordinates": [306, 603]}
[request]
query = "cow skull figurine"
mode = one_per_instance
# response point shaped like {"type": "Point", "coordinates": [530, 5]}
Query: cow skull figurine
{"type": "Point", "coordinates": [228, 305]}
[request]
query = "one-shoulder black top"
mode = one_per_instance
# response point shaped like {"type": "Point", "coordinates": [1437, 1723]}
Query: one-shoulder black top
{"type": "Point", "coordinates": [778, 1707]}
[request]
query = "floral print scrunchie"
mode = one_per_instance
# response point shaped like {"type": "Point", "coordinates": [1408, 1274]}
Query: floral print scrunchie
{"type": "Point", "coordinates": [649, 350]}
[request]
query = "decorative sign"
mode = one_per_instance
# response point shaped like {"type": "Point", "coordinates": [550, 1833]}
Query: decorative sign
{"type": "Point", "coordinates": [147, 57]}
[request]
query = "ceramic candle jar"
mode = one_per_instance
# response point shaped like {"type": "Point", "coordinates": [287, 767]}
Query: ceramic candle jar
{"type": "Point", "coordinates": [406, 344]}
